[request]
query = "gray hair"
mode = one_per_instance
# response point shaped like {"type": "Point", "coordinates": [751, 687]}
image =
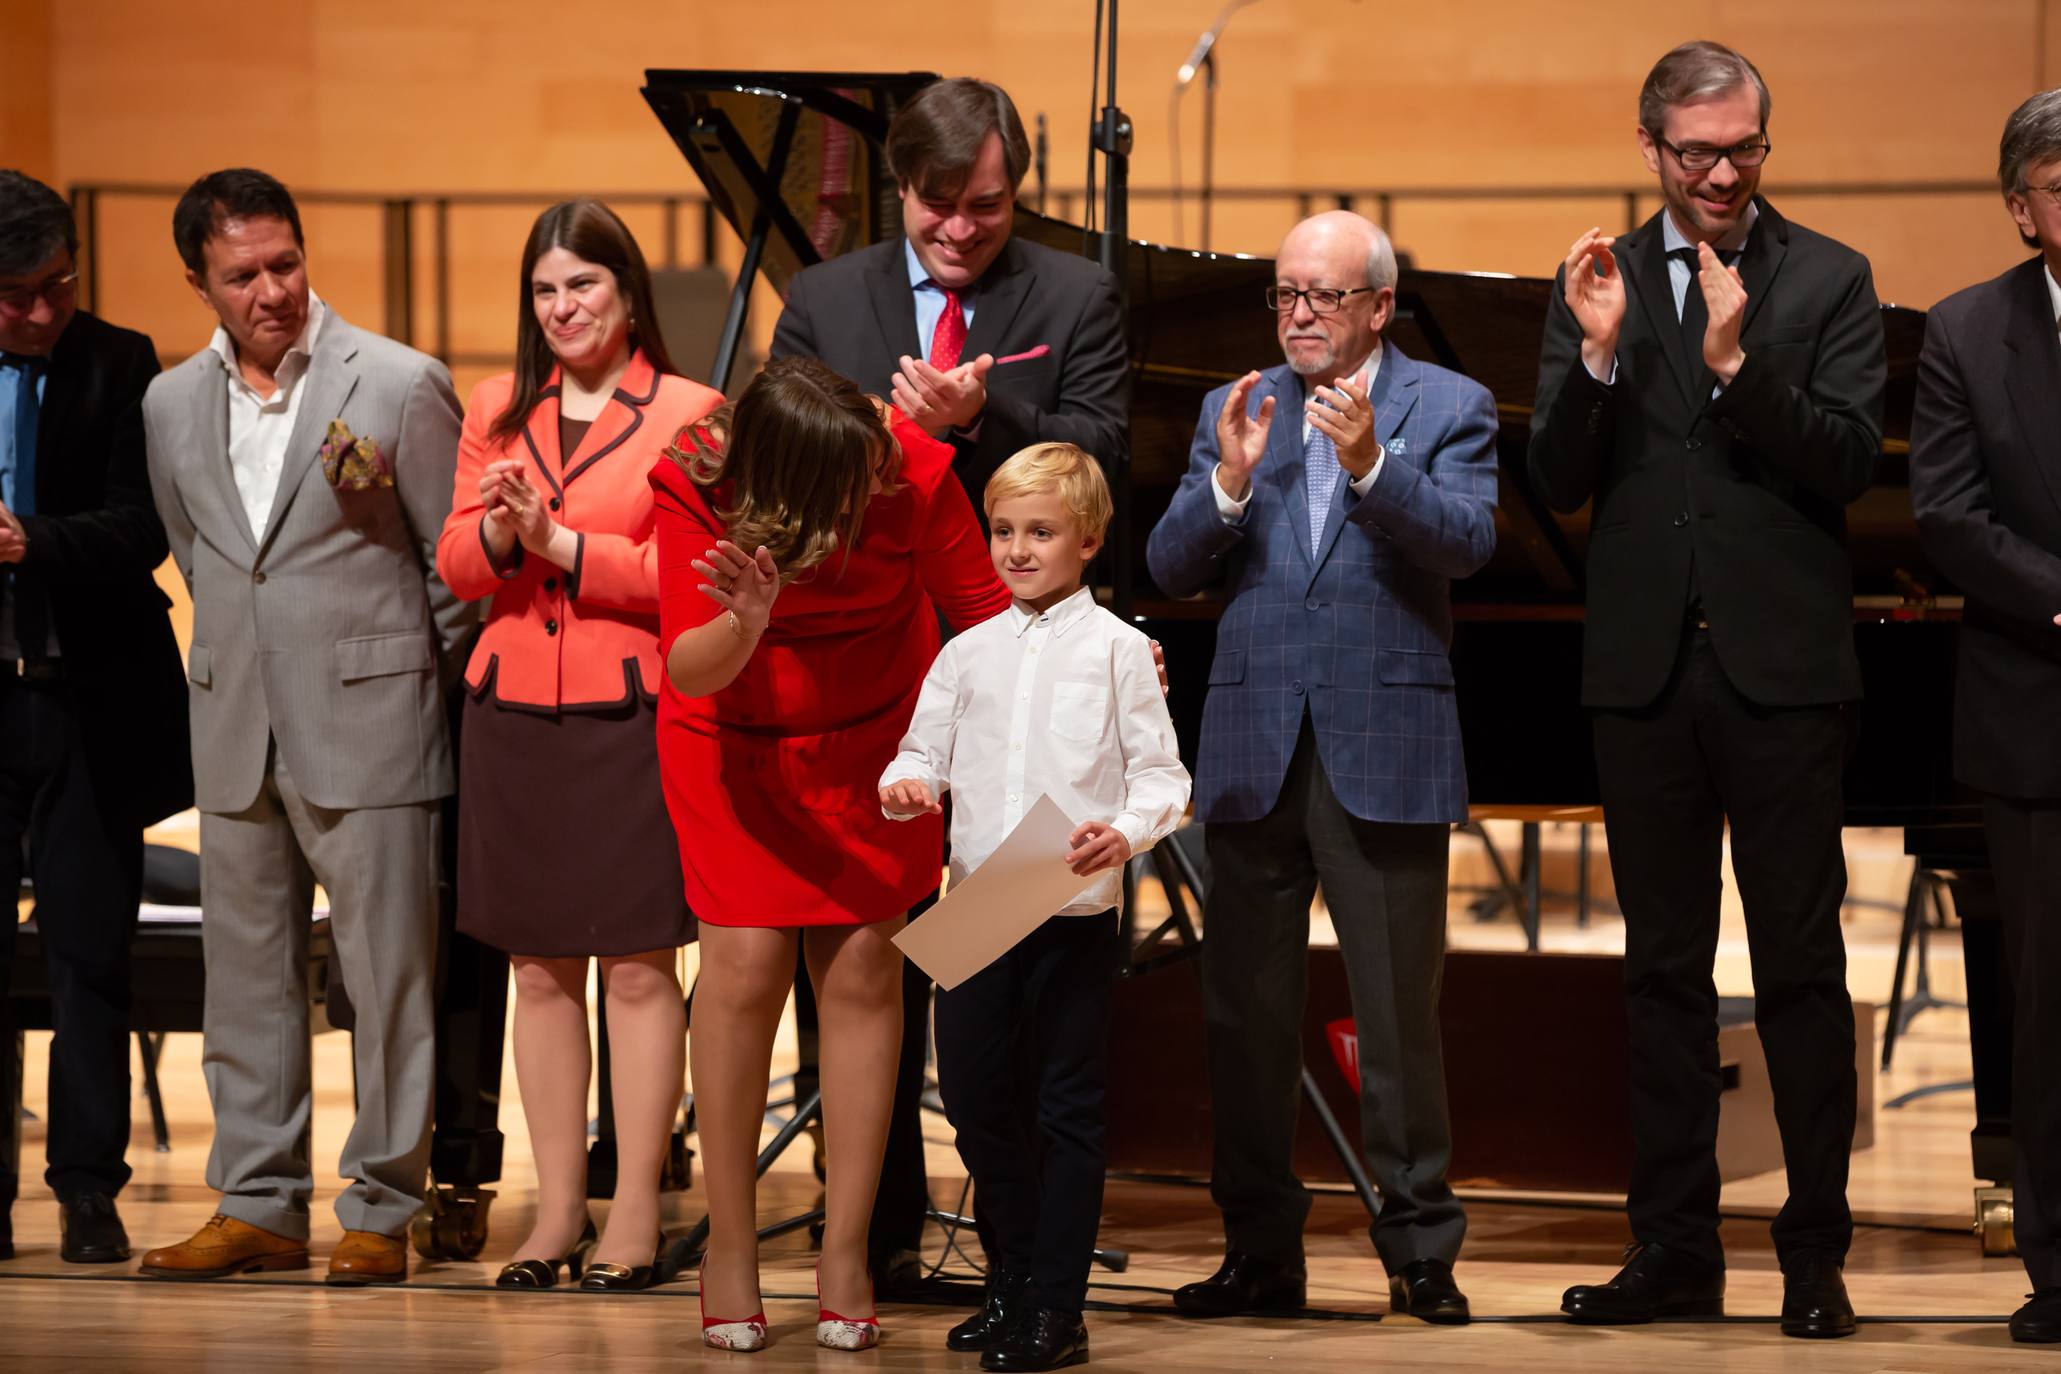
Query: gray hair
{"type": "Point", "coordinates": [1381, 272]}
{"type": "Point", "coordinates": [2032, 135]}
{"type": "Point", "coordinates": [1694, 72]}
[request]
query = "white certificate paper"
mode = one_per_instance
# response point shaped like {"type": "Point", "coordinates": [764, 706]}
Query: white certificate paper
{"type": "Point", "coordinates": [1023, 884]}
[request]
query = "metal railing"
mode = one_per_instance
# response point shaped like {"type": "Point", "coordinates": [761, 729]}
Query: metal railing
{"type": "Point", "coordinates": [689, 221]}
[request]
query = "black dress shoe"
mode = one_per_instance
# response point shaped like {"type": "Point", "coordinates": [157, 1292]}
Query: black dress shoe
{"type": "Point", "coordinates": [629, 1278]}
{"type": "Point", "coordinates": [1814, 1302]}
{"type": "Point", "coordinates": [1043, 1339]}
{"type": "Point", "coordinates": [1006, 1297]}
{"type": "Point", "coordinates": [92, 1230]}
{"type": "Point", "coordinates": [2039, 1321]}
{"type": "Point", "coordinates": [1245, 1284]}
{"type": "Point", "coordinates": [1424, 1289]}
{"type": "Point", "coordinates": [1655, 1282]}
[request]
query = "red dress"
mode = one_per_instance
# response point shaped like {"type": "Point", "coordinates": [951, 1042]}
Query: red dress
{"type": "Point", "coordinates": [773, 782]}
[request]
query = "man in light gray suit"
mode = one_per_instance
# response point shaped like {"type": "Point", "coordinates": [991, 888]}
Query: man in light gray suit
{"type": "Point", "coordinates": [303, 468]}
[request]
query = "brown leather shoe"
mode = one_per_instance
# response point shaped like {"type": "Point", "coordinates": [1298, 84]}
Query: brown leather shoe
{"type": "Point", "coordinates": [226, 1246]}
{"type": "Point", "coordinates": [363, 1257]}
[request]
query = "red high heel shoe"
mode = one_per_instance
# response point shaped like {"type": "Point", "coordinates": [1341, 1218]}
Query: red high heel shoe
{"type": "Point", "coordinates": [843, 1333]}
{"type": "Point", "coordinates": [724, 1333]}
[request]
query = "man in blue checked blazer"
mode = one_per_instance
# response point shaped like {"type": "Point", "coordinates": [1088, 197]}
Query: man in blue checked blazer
{"type": "Point", "coordinates": [1333, 500]}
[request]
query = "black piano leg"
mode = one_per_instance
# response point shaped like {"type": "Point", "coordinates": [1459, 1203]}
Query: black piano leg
{"type": "Point", "coordinates": [148, 1048]}
{"type": "Point", "coordinates": [1528, 914]}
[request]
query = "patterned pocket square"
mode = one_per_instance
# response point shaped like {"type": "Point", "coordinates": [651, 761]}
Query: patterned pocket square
{"type": "Point", "coordinates": [353, 464]}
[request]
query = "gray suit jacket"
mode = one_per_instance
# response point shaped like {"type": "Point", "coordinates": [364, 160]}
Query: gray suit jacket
{"type": "Point", "coordinates": [330, 634]}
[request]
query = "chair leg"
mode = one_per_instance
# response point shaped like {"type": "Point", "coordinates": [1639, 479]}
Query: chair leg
{"type": "Point", "coordinates": [148, 1048]}
{"type": "Point", "coordinates": [1914, 901]}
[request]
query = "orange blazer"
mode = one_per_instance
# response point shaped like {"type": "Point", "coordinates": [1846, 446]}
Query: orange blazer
{"type": "Point", "coordinates": [588, 637]}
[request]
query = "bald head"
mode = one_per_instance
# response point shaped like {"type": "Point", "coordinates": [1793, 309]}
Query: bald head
{"type": "Point", "coordinates": [1342, 252]}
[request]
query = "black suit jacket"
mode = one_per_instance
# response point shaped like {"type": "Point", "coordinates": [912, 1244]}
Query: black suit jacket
{"type": "Point", "coordinates": [93, 545]}
{"type": "Point", "coordinates": [1986, 486]}
{"type": "Point", "coordinates": [1751, 485]}
{"type": "Point", "coordinates": [857, 315]}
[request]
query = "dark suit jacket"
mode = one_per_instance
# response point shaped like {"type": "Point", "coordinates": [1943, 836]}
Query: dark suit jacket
{"type": "Point", "coordinates": [93, 544]}
{"type": "Point", "coordinates": [1986, 486]}
{"type": "Point", "coordinates": [857, 315]}
{"type": "Point", "coordinates": [1752, 484]}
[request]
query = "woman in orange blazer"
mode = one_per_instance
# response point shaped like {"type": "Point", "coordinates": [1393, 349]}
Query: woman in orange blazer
{"type": "Point", "coordinates": [565, 849]}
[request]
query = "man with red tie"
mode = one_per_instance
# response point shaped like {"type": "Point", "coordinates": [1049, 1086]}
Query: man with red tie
{"type": "Point", "coordinates": [991, 343]}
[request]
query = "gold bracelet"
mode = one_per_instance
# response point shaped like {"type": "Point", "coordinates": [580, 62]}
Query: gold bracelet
{"type": "Point", "coordinates": [737, 628]}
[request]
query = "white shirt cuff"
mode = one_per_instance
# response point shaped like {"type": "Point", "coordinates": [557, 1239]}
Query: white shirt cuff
{"type": "Point", "coordinates": [1132, 828]}
{"type": "Point", "coordinates": [1611, 380]}
{"type": "Point", "coordinates": [1233, 512]}
{"type": "Point", "coordinates": [1362, 485]}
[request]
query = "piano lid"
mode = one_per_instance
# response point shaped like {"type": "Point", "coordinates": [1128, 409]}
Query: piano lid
{"type": "Point", "coordinates": [806, 149]}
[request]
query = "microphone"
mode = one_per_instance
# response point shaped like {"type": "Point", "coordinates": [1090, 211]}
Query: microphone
{"type": "Point", "coordinates": [1204, 44]}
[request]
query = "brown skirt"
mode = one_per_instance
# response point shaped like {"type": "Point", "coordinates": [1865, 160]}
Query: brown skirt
{"type": "Point", "coordinates": [564, 845]}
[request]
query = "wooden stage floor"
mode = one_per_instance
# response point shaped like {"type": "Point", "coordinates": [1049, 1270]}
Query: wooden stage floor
{"type": "Point", "coordinates": [1927, 1297]}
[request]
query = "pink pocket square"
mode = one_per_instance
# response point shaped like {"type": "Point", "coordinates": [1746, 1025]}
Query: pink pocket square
{"type": "Point", "coordinates": [1040, 351]}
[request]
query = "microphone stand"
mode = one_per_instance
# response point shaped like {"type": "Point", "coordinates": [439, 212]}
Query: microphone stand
{"type": "Point", "coordinates": [1204, 61]}
{"type": "Point", "coordinates": [1112, 138]}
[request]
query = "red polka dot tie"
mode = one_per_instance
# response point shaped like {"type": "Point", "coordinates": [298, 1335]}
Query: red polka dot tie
{"type": "Point", "coordinates": [948, 340]}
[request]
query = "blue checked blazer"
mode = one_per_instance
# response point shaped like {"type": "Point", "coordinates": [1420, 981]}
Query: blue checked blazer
{"type": "Point", "coordinates": [1358, 634]}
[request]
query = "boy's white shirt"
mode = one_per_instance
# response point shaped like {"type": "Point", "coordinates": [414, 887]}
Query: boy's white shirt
{"type": "Point", "coordinates": [1066, 703]}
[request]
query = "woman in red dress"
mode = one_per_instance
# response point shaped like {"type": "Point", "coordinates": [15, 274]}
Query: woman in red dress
{"type": "Point", "coordinates": [802, 569]}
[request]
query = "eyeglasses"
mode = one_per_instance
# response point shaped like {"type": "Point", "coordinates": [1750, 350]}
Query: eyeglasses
{"type": "Point", "coordinates": [1322, 300]}
{"type": "Point", "coordinates": [1700, 158]}
{"type": "Point", "coordinates": [57, 290]}
{"type": "Point", "coordinates": [2052, 193]}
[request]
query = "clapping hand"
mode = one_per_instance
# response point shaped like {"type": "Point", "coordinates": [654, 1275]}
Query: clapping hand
{"type": "Point", "coordinates": [508, 495]}
{"type": "Point", "coordinates": [1724, 295]}
{"type": "Point", "coordinates": [1344, 413]}
{"type": "Point", "coordinates": [744, 584]}
{"type": "Point", "coordinates": [14, 542]}
{"type": "Point", "coordinates": [1096, 846]}
{"type": "Point", "coordinates": [1241, 438]}
{"type": "Point", "coordinates": [1594, 291]}
{"type": "Point", "coordinates": [908, 797]}
{"type": "Point", "coordinates": [940, 401]}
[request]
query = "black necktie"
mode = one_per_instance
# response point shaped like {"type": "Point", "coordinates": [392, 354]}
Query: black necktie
{"type": "Point", "coordinates": [1695, 316]}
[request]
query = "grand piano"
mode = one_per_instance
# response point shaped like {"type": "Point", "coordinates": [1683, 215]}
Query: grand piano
{"type": "Point", "coordinates": [794, 161]}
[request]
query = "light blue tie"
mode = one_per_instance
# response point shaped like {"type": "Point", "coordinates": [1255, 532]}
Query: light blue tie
{"type": "Point", "coordinates": [1320, 473]}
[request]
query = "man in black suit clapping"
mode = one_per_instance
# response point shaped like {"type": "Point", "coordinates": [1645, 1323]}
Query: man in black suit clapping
{"type": "Point", "coordinates": [1713, 382]}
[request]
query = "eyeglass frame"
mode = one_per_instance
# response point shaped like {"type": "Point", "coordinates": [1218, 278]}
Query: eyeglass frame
{"type": "Point", "coordinates": [1717, 155]}
{"type": "Point", "coordinates": [22, 300]}
{"type": "Point", "coordinates": [2051, 192]}
{"type": "Point", "coordinates": [1303, 296]}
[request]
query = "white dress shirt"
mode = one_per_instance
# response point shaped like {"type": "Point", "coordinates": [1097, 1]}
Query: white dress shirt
{"type": "Point", "coordinates": [260, 426]}
{"type": "Point", "coordinates": [1234, 511]}
{"type": "Point", "coordinates": [2054, 294]}
{"type": "Point", "coordinates": [1065, 703]}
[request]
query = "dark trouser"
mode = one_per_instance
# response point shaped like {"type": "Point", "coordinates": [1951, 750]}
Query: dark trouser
{"type": "Point", "coordinates": [1385, 885]}
{"type": "Point", "coordinates": [1024, 1040]}
{"type": "Point", "coordinates": [1672, 774]}
{"type": "Point", "coordinates": [88, 872]}
{"type": "Point", "coordinates": [2025, 853]}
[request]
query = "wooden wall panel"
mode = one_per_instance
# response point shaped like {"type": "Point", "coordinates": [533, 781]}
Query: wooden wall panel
{"type": "Point", "coordinates": [399, 95]}
{"type": "Point", "coordinates": [25, 105]}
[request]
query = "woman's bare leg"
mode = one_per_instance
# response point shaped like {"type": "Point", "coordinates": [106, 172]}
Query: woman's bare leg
{"type": "Point", "coordinates": [647, 1039]}
{"type": "Point", "coordinates": [857, 973]}
{"type": "Point", "coordinates": [552, 1062]}
{"type": "Point", "coordinates": [746, 973]}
